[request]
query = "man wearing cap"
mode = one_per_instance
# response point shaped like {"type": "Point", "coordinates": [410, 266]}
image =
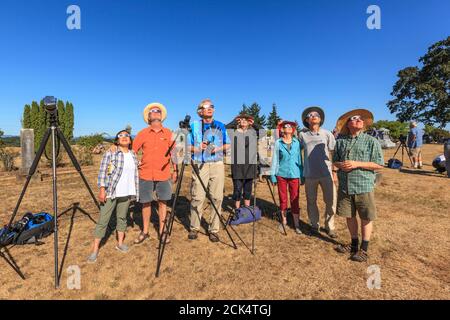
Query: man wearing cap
{"type": "Point", "coordinates": [415, 142]}
{"type": "Point", "coordinates": [357, 155]}
{"type": "Point", "coordinates": [318, 143]}
{"type": "Point", "coordinates": [155, 167]}
{"type": "Point", "coordinates": [208, 142]}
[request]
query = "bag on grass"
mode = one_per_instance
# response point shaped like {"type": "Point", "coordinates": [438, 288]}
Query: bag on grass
{"type": "Point", "coordinates": [394, 163]}
{"type": "Point", "coordinates": [246, 215]}
{"type": "Point", "coordinates": [32, 227]}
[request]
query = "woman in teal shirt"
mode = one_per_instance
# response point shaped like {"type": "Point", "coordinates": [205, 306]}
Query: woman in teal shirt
{"type": "Point", "coordinates": [287, 171]}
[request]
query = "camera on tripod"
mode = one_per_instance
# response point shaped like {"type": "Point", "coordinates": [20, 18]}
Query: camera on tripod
{"type": "Point", "coordinates": [402, 139]}
{"type": "Point", "coordinates": [186, 123]}
{"type": "Point", "coordinates": [50, 104]}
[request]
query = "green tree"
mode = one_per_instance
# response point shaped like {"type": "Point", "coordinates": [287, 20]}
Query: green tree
{"type": "Point", "coordinates": [274, 118]}
{"type": "Point", "coordinates": [34, 120]}
{"type": "Point", "coordinates": [396, 128]}
{"type": "Point", "coordinates": [26, 119]}
{"type": "Point", "coordinates": [254, 110]}
{"type": "Point", "coordinates": [422, 93]}
{"type": "Point", "coordinates": [61, 115]}
{"type": "Point", "coordinates": [69, 121]}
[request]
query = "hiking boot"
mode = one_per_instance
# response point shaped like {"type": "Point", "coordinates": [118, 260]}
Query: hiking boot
{"type": "Point", "coordinates": [193, 235]}
{"type": "Point", "coordinates": [360, 256]}
{"type": "Point", "coordinates": [314, 232]}
{"type": "Point", "coordinates": [213, 237]}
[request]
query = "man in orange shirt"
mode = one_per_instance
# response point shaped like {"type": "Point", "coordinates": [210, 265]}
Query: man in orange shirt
{"type": "Point", "coordinates": [154, 170]}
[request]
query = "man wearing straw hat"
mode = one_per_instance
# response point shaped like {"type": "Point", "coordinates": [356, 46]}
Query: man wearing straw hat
{"type": "Point", "coordinates": [208, 142]}
{"type": "Point", "coordinates": [357, 155]}
{"type": "Point", "coordinates": [155, 175]}
{"type": "Point", "coordinates": [318, 143]}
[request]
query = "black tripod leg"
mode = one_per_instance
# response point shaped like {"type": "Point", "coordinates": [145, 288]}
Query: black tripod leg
{"type": "Point", "coordinates": [9, 259]}
{"type": "Point", "coordinates": [30, 174]}
{"type": "Point", "coordinates": [278, 213]}
{"type": "Point", "coordinates": [168, 224]}
{"type": "Point", "coordinates": [208, 195]}
{"type": "Point", "coordinates": [76, 164]}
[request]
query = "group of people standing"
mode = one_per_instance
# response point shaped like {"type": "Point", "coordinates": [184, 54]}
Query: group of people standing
{"type": "Point", "coordinates": [343, 168]}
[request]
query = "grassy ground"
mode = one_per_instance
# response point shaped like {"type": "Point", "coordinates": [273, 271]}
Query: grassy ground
{"type": "Point", "coordinates": [410, 244]}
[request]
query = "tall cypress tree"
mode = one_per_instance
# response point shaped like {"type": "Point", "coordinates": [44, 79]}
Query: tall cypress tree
{"type": "Point", "coordinates": [69, 121]}
{"type": "Point", "coordinates": [26, 119]}
{"type": "Point", "coordinates": [34, 123]}
{"type": "Point", "coordinates": [61, 116]}
{"type": "Point", "coordinates": [273, 119]}
{"type": "Point", "coordinates": [254, 110]}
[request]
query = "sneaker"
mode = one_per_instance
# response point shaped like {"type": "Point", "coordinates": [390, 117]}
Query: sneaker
{"type": "Point", "coordinates": [193, 235]}
{"type": "Point", "coordinates": [213, 237]}
{"type": "Point", "coordinates": [123, 248]}
{"type": "Point", "coordinates": [92, 258]}
{"type": "Point", "coordinates": [298, 231]}
{"type": "Point", "coordinates": [332, 234]}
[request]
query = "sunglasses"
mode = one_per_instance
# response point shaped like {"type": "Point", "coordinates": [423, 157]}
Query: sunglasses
{"type": "Point", "coordinates": [208, 106]}
{"type": "Point", "coordinates": [123, 135]}
{"type": "Point", "coordinates": [287, 126]}
{"type": "Point", "coordinates": [356, 118]}
{"type": "Point", "coordinates": [313, 114]}
{"type": "Point", "coordinates": [155, 111]}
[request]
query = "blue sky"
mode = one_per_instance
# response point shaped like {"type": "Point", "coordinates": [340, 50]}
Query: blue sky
{"type": "Point", "coordinates": [131, 53]}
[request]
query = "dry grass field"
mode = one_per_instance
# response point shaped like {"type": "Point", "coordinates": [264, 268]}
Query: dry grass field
{"type": "Point", "coordinates": [411, 245]}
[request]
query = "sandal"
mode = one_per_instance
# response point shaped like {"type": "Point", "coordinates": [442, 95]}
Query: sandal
{"type": "Point", "coordinates": [141, 238]}
{"type": "Point", "coordinates": [360, 256]}
{"type": "Point", "coordinates": [346, 248]}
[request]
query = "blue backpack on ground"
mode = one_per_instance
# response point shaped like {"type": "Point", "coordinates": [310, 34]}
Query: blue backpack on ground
{"type": "Point", "coordinates": [29, 229]}
{"type": "Point", "coordinates": [394, 163]}
{"type": "Point", "coordinates": [246, 215]}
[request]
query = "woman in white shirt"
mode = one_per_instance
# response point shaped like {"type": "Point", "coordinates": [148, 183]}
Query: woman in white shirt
{"type": "Point", "coordinates": [118, 182]}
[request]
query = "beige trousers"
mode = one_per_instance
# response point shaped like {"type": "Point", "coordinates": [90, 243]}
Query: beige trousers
{"type": "Point", "coordinates": [213, 176]}
{"type": "Point", "coordinates": [329, 197]}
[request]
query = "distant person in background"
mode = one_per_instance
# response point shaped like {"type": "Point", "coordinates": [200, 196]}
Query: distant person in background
{"type": "Point", "coordinates": [415, 142]}
{"type": "Point", "coordinates": [447, 156]}
{"type": "Point", "coordinates": [318, 143]}
{"type": "Point", "coordinates": [244, 168]}
{"type": "Point", "coordinates": [287, 171]}
{"type": "Point", "coordinates": [357, 156]}
{"type": "Point", "coordinates": [118, 181]}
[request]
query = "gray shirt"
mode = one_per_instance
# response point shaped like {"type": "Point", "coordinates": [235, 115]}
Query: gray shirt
{"type": "Point", "coordinates": [317, 146]}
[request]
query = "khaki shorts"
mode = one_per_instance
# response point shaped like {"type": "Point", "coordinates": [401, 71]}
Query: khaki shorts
{"type": "Point", "coordinates": [364, 203]}
{"type": "Point", "coordinates": [415, 152]}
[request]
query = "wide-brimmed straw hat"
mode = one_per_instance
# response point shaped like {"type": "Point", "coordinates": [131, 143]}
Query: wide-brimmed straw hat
{"type": "Point", "coordinates": [155, 105]}
{"type": "Point", "coordinates": [308, 110]}
{"type": "Point", "coordinates": [341, 124]}
{"type": "Point", "coordinates": [246, 116]}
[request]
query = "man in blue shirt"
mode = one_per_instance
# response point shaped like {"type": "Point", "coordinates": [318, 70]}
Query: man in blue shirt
{"type": "Point", "coordinates": [208, 143]}
{"type": "Point", "coordinates": [415, 142]}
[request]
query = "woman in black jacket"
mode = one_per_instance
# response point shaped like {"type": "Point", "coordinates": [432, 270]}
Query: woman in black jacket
{"type": "Point", "coordinates": [244, 167]}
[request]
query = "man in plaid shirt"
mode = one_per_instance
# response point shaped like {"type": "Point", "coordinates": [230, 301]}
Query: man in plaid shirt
{"type": "Point", "coordinates": [357, 156]}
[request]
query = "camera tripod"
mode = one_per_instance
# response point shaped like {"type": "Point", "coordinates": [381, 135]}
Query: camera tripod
{"type": "Point", "coordinates": [168, 224]}
{"type": "Point", "coordinates": [53, 132]}
{"type": "Point", "coordinates": [404, 148]}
